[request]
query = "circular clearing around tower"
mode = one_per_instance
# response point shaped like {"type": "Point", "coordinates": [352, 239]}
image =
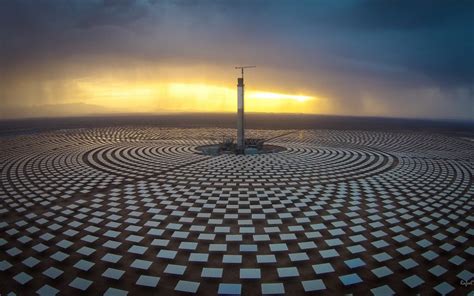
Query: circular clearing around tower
{"type": "Point", "coordinates": [219, 149]}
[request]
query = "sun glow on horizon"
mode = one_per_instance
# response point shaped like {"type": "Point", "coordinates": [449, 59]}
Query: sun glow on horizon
{"type": "Point", "coordinates": [193, 97]}
{"type": "Point", "coordinates": [278, 96]}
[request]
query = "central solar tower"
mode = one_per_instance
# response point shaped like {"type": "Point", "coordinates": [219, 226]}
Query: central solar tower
{"type": "Point", "coordinates": [240, 111]}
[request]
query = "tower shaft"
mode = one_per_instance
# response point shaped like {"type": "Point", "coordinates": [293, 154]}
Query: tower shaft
{"type": "Point", "coordinates": [241, 111]}
{"type": "Point", "coordinates": [240, 116]}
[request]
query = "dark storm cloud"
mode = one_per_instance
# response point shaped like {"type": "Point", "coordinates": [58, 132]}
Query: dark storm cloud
{"type": "Point", "coordinates": [428, 37]}
{"type": "Point", "coordinates": [431, 38]}
{"type": "Point", "coordinates": [438, 36]}
{"type": "Point", "coordinates": [348, 47]}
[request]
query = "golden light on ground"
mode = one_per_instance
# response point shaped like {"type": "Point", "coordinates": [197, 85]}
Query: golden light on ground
{"type": "Point", "coordinates": [188, 97]}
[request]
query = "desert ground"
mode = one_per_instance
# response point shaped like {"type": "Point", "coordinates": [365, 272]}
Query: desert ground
{"type": "Point", "coordinates": [128, 205]}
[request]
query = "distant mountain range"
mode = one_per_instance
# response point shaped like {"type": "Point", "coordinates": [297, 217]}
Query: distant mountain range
{"type": "Point", "coordinates": [56, 110]}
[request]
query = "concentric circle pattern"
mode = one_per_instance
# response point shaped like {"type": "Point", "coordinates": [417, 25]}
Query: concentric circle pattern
{"type": "Point", "coordinates": [139, 211]}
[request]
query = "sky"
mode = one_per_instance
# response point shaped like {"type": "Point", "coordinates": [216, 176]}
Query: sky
{"type": "Point", "coordinates": [357, 58]}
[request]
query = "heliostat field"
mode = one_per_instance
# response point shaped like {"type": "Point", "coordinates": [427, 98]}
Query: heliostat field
{"type": "Point", "coordinates": [142, 211]}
